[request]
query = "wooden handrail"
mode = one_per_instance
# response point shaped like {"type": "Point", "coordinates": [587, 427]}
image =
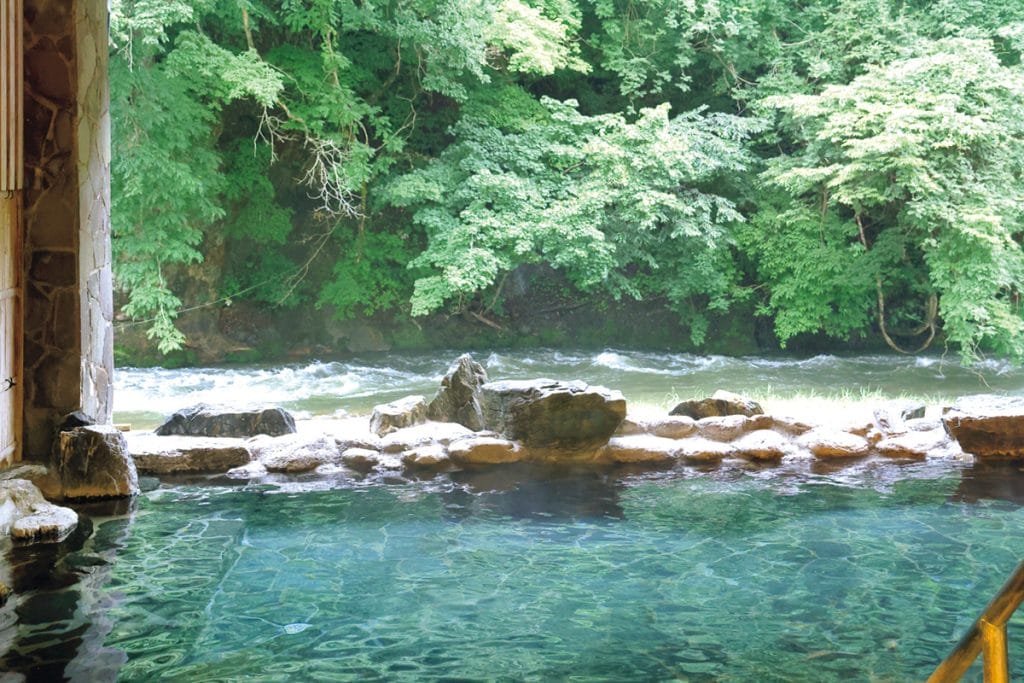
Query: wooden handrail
{"type": "Point", "coordinates": [987, 634]}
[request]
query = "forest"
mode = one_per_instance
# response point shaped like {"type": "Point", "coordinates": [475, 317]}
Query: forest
{"type": "Point", "coordinates": [843, 168]}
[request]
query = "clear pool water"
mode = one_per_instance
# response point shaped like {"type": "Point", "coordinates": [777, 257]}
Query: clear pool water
{"type": "Point", "coordinates": [865, 573]}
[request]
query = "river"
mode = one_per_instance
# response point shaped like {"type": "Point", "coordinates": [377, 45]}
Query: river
{"type": "Point", "coordinates": [143, 396]}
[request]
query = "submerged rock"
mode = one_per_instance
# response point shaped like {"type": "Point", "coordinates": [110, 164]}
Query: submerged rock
{"type": "Point", "coordinates": [250, 470]}
{"type": "Point", "coordinates": [988, 425]}
{"type": "Point", "coordinates": [93, 462]}
{"type": "Point", "coordinates": [460, 398]}
{"type": "Point", "coordinates": [546, 414]}
{"type": "Point", "coordinates": [405, 412]}
{"type": "Point", "coordinates": [186, 454]}
{"type": "Point", "coordinates": [27, 516]}
{"type": "Point", "coordinates": [834, 443]}
{"type": "Point", "coordinates": [720, 404]}
{"type": "Point", "coordinates": [206, 420]}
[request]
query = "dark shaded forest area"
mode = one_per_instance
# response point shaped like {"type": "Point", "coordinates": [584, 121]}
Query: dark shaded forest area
{"type": "Point", "coordinates": [848, 169]}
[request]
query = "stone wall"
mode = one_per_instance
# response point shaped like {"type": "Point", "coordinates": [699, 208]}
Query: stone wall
{"type": "Point", "coordinates": [68, 356]}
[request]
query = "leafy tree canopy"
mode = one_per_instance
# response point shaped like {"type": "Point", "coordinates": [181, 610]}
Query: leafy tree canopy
{"type": "Point", "coordinates": [851, 166]}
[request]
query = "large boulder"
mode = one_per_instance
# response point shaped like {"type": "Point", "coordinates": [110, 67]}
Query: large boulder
{"type": "Point", "coordinates": [27, 516]}
{"type": "Point", "coordinates": [405, 412]}
{"type": "Point", "coordinates": [720, 404]}
{"type": "Point", "coordinates": [206, 420]}
{"type": "Point", "coordinates": [547, 414]}
{"type": "Point", "coordinates": [460, 398]}
{"type": "Point", "coordinates": [186, 454]}
{"type": "Point", "coordinates": [988, 425]}
{"type": "Point", "coordinates": [93, 462]}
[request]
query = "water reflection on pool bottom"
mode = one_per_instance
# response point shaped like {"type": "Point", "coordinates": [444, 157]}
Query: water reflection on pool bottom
{"type": "Point", "coordinates": [742, 576]}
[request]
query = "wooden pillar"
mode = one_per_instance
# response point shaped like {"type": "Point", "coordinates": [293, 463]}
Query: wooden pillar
{"type": "Point", "coordinates": [11, 184]}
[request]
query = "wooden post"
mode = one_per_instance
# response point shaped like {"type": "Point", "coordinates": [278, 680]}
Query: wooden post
{"type": "Point", "coordinates": [12, 175]}
{"type": "Point", "coordinates": [995, 657]}
{"type": "Point", "coordinates": [988, 635]}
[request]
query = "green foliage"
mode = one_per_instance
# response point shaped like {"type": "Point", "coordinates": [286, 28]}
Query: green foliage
{"type": "Point", "coordinates": [925, 154]}
{"type": "Point", "coordinates": [165, 183]}
{"type": "Point", "coordinates": [370, 274]}
{"type": "Point", "coordinates": [826, 157]}
{"type": "Point", "coordinates": [617, 206]}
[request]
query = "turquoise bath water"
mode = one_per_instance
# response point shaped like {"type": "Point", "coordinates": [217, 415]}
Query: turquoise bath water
{"type": "Point", "coordinates": [866, 573]}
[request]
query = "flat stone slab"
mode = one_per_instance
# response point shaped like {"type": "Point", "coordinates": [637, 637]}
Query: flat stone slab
{"type": "Point", "coordinates": [834, 443]}
{"type": "Point", "coordinates": [642, 448]}
{"type": "Point", "coordinates": [423, 435]}
{"type": "Point", "coordinates": [484, 450]}
{"type": "Point", "coordinates": [697, 449]}
{"type": "Point", "coordinates": [27, 517]}
{"type": "Point", "coordinates": [186, 454]}
{"type": "Point", "coordinates": [295, 452]}
{"type": "Point", "coordinates": [670, 427]}
{"type": "Point", "coordinates": [988, 425]}
{"type": "Point", "coordinates": [426, 457]}
{"type": "Point", "coordinates": [731, 426]}
{"type": "Point", "coordinates": [914, 445]}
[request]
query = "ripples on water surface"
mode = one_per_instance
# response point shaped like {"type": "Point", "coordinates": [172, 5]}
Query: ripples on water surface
{"type": "Point", "coordinates": [142, 396]}
{"type": "Point", "coordinates": [865, 572]}
{"type": "Point", "coordinates": [516, 574]}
